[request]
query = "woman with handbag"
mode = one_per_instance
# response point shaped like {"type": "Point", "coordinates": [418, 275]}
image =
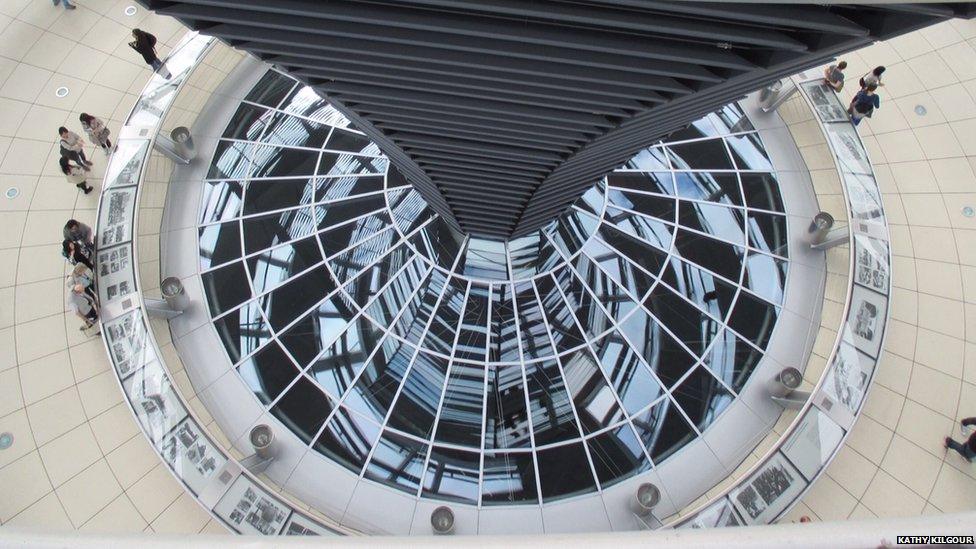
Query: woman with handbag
{"type": "Point", "coordinates": [75, 175]}
{"type": "Point", "coordinates": [96, 131]}
{"type": "Point", "coordinates": [873, 77]}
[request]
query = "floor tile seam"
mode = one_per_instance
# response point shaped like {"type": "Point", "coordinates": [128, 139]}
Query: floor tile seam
{"type": "Point", "coordinates": [119, 445]}
{"type": "Point", "coordinates": [896, 479]}
{"type": "Point", "coordinates": [107, 505]}
{"type": "Point", "coordinates": [169, 473]}
{"type": "Point", "coordinates": [91, 80]}
{"type": "Point", "coordinates": [156, 459]}
{"type": "Point", "coordinates": [47, 475]}
{"type": "Point", "coordinates": [941, 414]}
{"type": "Point", "coordinates": [876, 133]}
{"type": "Point", "coordinates": [917, 325]}
{"type": "Point", "coordinates": [74, 39]}
{"type": "Point", "coordinates": [913, 443]}
{"type": "Point", "coordinates": [70, 478]}
{"type": "Point", "coordinates": [102, 508]}
{"type": "Point", "coordinates": [956, 419]}
{"type": "Point", "coordinates": [45, 356]}
{"type": "Point", "coordinates": [174, 502]}
{"type": "Point", "coordinates": [844, 488]}
{"type": "Point", "coordinates": [956, 263]}
{"type": "Point", "coordinates": [32, 503]}
{"type": "Point", "coordinates": [941, 193]}
{"type": "Point", "coordinates": [49, 279]}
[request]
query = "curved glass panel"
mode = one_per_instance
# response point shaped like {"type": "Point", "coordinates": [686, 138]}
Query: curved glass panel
{"type": "Point", "coordinates": [489, 373]}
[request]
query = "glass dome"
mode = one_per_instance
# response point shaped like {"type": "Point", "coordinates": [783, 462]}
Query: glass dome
{"type": "Point", "coordinates": [476, 371]}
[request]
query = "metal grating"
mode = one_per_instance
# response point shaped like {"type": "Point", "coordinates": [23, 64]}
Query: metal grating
{"type": "Point", "coordinates": [503, 112]}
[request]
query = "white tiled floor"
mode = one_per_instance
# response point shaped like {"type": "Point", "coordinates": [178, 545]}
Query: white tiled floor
{"type": "Point", "coordinates": [78, 460]}
{"type": "Point", "coordinates": [894, 463]}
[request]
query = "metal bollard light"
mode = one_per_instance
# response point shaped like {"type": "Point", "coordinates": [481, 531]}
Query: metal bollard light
{"type": "Point", "coordinates": [183, 142]}
{"type": "Point", "coordinates": [262, 439]}
{"type": "Point", "coordinates": [769, 94]}
{"type": "Point", "coordinates": [174, 293]}
{"type": "Point", "coordinates": [645, 499]}
{"type": "Point", "coordinates": [442, 520]}
{"type": "Point", "coordinates": [785, 382]}
{"type": "Point", "coordinates": [819, 228]}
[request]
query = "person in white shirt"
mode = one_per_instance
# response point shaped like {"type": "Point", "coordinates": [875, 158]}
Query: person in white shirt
{"type": "Point", "coordinates": [873, 77]}
{"type": "Point", "coordinates": [73, 147]}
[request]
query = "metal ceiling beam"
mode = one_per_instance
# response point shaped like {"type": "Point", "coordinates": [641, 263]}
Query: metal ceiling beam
{"type": "Point", "coordinates": [501, 113]}
{"type": "Point", "coordinates": [464, 31]}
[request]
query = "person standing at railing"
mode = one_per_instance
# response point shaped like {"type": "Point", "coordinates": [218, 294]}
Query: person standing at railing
{"type": "Point", "coordinates": [834, 76]}
{"type": "Point", "coordinates": [76, 231]}
{"type": "Point", "coordinates": [966, 449]}
{"type": "Point", "coordinates": [82, 305]}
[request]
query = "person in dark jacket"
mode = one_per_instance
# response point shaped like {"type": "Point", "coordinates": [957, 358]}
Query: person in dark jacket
{"type": "Point", "coordinates": [966, 449]}
{"type": "Point", "coordinates": [77, 252]}
{"type": "Point", "coordinates": [145, 44]}
{"type": "Point", "coordinates": [864, 104]}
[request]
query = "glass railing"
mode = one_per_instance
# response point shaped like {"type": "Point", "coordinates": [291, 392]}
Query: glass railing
{"type": "Point", "coordinates": [225, 488]}
{"type": "Point", "coordinates": [770, 488]}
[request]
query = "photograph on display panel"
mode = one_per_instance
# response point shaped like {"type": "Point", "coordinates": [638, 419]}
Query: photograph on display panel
{"type": "Point", "coordinates": [126, 337]}
{"type": "Point", "coordinates": [718, 515]}
{"type": "Point", "coordinates": [871, 263]}
{"type": "Point", "coordinates": [847, 379]}
{"type": "Point", "coordinates": [813, 443]}
{"type": "Point", "coordinates": [115, 273]}
{"type": "Point", "coordinates": [850, 153]}
{"type": "Point", "coordinates": [250, 510]}
{"type": "Point", "coordinates": [115, 218]}
{"type": "Point", "coordinates": [194, 458]}
{"type": "Point", "coordinates": [864, 196]}
{"type": "Point", "coordinates": [156, 404]}
{"type": "Point", "coordinates": [300, 525]}
{"type": "Point", "coordinates": [866, 319]}
{"type": "Point", "coordinates": [768, 491]}
{"type": "Point", "coordinates": [825, 102]}
{"type": "Point", "coordinates": [126, 164]}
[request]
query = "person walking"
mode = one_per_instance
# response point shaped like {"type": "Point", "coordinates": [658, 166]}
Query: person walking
{"type": "Point", "coordinates": [834, 75]}
{"type": "Point", "coordinates": [873, 77]}
{"type": "Point", "coordinates": [75, 175]}
{"type": "Point", "coordinates": [864, 104]}
{"type": "Point", "coordinates": [67, 4]}
{"type": "Point", "coordinates": [96, 131]}
{"type": "Point", "coordinates": [82, 305]}
{"type": "Point", "coordinates": [966, 449]}
{"type": "Point", "coordinates": [73, 148]}
{"type": "Point", "coordinates": [76, 231]}
{"type": "Point", "coordinates": [145, 44]}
